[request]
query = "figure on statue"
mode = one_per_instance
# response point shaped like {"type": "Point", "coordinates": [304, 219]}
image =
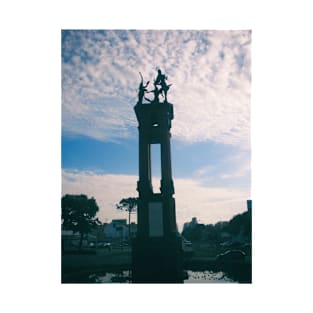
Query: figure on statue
{"type": "Point", "coordinates": [160, 80]}
{"type": "Point", "coordinates": [142, 90]}
{"type": "Point", "coordinates": [156, 91]}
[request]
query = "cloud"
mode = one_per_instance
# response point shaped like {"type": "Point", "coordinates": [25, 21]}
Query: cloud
{"type": "Point", "coordinates": [209, 72]}
{"type": "Point", "coordinates": [108, 190]}
{"type": "Point", "coordinates": [233, 170]}
{"type": "Point", "coordinates": [208, 204]}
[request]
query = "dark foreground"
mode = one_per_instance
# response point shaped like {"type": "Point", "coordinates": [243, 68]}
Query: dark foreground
{"type": "Point", "coordinates": [81, 267]}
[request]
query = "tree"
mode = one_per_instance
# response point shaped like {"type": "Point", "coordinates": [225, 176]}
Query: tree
{"type": "Point", "coordinates": [78, 214]}
{"type": "Point", "coordinates": [129, 205]}
{"type": "Point", "coordinates": [193, 233]}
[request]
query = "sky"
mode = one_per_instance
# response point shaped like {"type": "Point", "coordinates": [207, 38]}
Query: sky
{"type": "Point", "coordinates": [210, 73]}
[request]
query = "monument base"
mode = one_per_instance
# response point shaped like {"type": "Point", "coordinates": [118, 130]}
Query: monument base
{"type": "Point", "coordinates": [157, 260]}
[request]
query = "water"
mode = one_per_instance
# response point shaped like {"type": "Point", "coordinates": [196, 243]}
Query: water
{"type": "Point", "coordinates": [108, 278]}
{"type": "Point", "coordinates": [207, 277]}
{"type": "Point", "coordinates": [193, 277]}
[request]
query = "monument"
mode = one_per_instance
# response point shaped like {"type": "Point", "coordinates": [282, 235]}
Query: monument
{"type": "Point", "coordinates": [157, 249]}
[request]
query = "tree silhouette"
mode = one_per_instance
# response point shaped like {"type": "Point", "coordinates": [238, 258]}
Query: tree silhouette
{"type": "Point", "coordinates": [129, 205]}
{"type": "Point", "coordinates": [78, 214]}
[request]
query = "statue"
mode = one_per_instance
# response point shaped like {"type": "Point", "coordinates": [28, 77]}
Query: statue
{"type": "Point", "coordinates": [160, 80]}
{"type": "Point", "coordinates": [156, 91]}
{"type": "Point", "coordinates": [142, 90]}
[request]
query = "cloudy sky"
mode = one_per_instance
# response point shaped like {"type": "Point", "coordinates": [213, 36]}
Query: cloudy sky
{"type": "Point", "coordinates": [210, 73]}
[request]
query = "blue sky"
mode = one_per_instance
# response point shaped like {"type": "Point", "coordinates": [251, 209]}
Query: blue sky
{"type": "Point", "coordinates": [210, 73]}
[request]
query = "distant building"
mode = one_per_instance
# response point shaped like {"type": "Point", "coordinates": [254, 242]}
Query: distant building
{"type": "Point", "coordinates": [122, 221]}
{"type": "Point", "coordinates": [118, 229]}
{"type": "Point", "coordinates": [249, 205]}
{"type": "Point", "coordinates": [98, 232]}
{"type": "Point", "coordinates": [191, 224]}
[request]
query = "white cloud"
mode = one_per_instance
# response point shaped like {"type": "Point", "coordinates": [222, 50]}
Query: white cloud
{"type": "Point", "coordinates": [208, 204]}
{"type": "Point", "coordinates": [108, 190]}
{"type": "Point", "coordinates": [209, 70]}
{"type": "Point", "coordinates": [234, 170]}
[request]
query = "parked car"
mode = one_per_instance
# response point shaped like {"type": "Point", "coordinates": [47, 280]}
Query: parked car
{"type": "Point", "coordinates": [231, 255]}
{"type": "Point", "coordinates": [92, 245]}
{"type": "Point", "coordinates": [105, 245]}
{"type": "Point", "coordinates": [247, 248]}
{"type": "Point", "coordinates": [232, 244]}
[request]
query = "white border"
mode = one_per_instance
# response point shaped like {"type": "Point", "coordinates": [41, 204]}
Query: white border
{"type": "Point", "coordinates": [281, 169]}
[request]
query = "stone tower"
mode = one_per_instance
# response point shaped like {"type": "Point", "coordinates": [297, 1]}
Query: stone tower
{"type": "Point", "coordinates": [157, 249]}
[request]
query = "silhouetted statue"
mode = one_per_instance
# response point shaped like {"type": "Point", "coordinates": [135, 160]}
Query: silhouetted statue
{"type": "Point", "coordinates": [156, 91]}
{"type": "Point", "coordinates": [142, 90]}
{"type": "Point", "coordinates": [160, 80]}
